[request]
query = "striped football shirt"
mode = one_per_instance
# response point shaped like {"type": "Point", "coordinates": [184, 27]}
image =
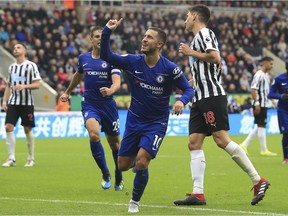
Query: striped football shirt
{"type": "Point", "coordinates": [261, 83]}
{"type": "Point", "coordinates": [23, 74]}
{"type": "Point", "coordinates": [207, 76]}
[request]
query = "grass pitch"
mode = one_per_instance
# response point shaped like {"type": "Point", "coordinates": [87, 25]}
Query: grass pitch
{"type": "Point", "coordinates": [66, 181]}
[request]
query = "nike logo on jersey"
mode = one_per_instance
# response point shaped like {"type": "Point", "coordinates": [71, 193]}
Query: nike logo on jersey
{"type": "Point", "coordinates": [283, 84]}
{"type": "Point", "coordinates": [138, 72]}
{"type": "Point", "coordinates": [84, 65]}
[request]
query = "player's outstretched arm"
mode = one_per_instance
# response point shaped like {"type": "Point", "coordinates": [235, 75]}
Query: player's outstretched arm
{"type": "Point", "coordinates": [76, 79]}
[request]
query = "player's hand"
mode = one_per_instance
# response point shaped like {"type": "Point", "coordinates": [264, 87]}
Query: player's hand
{"type": "Point", "coordinates": [177, 108]}
{"type": "Point", "coordinates": [184, 49]}
{"type": "Point", "coordinates": [64, 97]}
{"type": "Point", "coordinates": [4, 106]}
{"type": "Point", "coordinates": [19, 87]}
{"type": "Point", "coordinates": [113, 23]}
{"type": "Point", "coordinates": [105, 91]}
{"type": "Point", "coordinates": [284, 96]}
{"type": "Point", "coordinates": [191, 82]}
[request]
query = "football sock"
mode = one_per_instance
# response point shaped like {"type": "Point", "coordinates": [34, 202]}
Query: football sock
{"type": "Point", "coordinates": [262, 138]}
{"type": "Point", "coordinates": [140, 182]}
{"type": "Point", "coordinates": [118, 173]}
{"type": "Point", "coordinates": [285, 145]}
{"type": "Point", "coordinates": [197, 166]}
{"type": "Point", "coordinates": [10, 144]}
{"type": "Point", "coordinates": [30, 145]}
{"type": "Point", "coordinates": [240, 157]}
{"type": "Point", "coordinates": [99, 156]}
{"type": "Point", "coordinates": [252, 134]}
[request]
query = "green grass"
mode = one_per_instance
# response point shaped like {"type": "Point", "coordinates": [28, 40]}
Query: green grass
{"type": "Point", "coordinates": [66, 181]}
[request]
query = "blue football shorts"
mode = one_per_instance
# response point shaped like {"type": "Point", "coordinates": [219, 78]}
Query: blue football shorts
{"type": "Point", "coordinates": [148, 136]}
{"type": "Point", "coordinates": [105, 113]}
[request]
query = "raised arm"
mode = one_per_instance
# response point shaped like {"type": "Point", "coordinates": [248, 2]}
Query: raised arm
{"type": "Point", "coordinates": [105, 50]}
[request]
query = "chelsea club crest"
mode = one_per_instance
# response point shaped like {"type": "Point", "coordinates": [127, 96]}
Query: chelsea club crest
{"type": "Point", "coordinates": [104, 65]}
{"type": "Point", "coordinates": [160, 79]}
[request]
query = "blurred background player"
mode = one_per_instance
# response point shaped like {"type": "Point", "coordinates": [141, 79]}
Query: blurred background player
{"type": "Point", "coordinates": [151, 78]}
{"type": "Point", "coordinates": [279, 90]}
{"type": "Point", "coordinates": [259, 92]}
{"type": "Point", "coordinates": [23, 77]}
{"type": "Point", "coordinates": [98, 107]}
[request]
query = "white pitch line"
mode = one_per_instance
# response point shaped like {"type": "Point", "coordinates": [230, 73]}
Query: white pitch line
{"type": "Point", "coordinates": [143, 205]}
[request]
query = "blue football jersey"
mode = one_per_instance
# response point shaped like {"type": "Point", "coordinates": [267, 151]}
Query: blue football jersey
{"type": "Point", "coordinates": [280, 86]}
{"type": "Point", "coordinates": [150, 87]}
{"type": "Point", "coordinates": [98, 74]}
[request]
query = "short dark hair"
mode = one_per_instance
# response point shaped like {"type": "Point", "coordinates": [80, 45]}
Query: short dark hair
{"type": "Point", "coordinates": [266, 58]}
{"type": "Point", "coordinates": [95, 28]}
{"type": "Point", "coordinates": [203, 12]}
{"type": "Point", "coordinates": [22, 44]}
{"type": "Point", "coordinates": [161, 34]}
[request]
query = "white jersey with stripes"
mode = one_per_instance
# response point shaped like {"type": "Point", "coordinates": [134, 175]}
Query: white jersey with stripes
{"type": "Point", "coordinates": [24, 73]}
{"type": "Point", "coordinates": [261, 83]}
{"type": "Point", "coordinates": [207, 76]}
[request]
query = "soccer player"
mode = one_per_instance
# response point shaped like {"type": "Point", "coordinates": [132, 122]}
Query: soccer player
{"type": "Point", "coordinates": [259, 92]}
{"type": "Point", "coordinates": [101, 81]}
{"type": "Point", "coordinates": [151, 78]}
{"type": "Point", "coordinates": [208, 114]}
{"type": "Point", "coordinates": [23, 77]}
{"type": "Point", "coordinates": [279, 90]}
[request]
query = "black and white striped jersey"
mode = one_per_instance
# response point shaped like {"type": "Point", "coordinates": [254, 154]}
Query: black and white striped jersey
{"type": "Point", "coordinates": [23, 74]}
{"type": "Point", "coordinates": [207, 76]}
{"type": "Point", "coordinates": [261, 83]}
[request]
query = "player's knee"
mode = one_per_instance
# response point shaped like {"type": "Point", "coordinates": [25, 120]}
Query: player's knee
{"type": "Point", "coordinates": [114, 144]}
{"type": "Point", "coordinates": [193, 146]}
{"type": "Point", "coordinates": [95, 137]}
{"type": "Point", "coordinates": [142, 163]}
{"type": "Point", "coordinates": [9, 127]}
{"type": "Point", "coordinates": [123, 166]}
{"type": "Point", "coordinates": [220, 143]}
{"type": "Point", "coordinates": [27, 130]}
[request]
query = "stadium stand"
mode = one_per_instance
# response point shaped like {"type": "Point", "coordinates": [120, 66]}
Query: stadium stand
{"type": "Point", "coordinates": [57, 36]}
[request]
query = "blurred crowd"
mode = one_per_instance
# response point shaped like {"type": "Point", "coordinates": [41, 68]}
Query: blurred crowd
{"type": "Point", "coordinates": [215, 3]}
{"type": "Point", "coordinates": [55, 37]}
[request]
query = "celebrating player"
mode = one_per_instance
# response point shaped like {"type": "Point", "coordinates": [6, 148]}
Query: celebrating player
{"type": "Point", "coordinates": [151, 78]}
{"type": "Point", "coordinates": [98, 107]}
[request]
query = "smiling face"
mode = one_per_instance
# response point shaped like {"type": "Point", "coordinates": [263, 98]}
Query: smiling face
{"type": "Point", "coordinates": [151, 42]}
